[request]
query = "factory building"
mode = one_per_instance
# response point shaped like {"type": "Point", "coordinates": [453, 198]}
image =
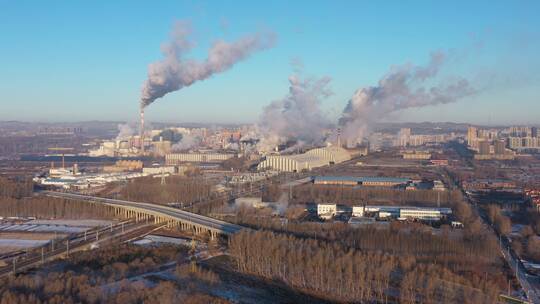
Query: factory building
{"type": "Point", "coordinates": [420, 213]}
{"type": "Point", "coordinates": [332, 154]}
{"type": "Point", "coordinates": [312, 159]}
{"type": "Point", "coordinates": [292, 163]}
{"type": "Point", "coordinates": [124, 165]}
{"type": "Point", "coordinates": [402, 213]}
{"type": "Point", "coordinates": [160, 170]}
{"type": "Point", "coordinates": [177, 158]}
{"type": "Point", "coordinates": [326, 211]}
{"type": "Point", "coordinates": [361, 181]}
{"type": "Point", "coordinates": [416, 155]}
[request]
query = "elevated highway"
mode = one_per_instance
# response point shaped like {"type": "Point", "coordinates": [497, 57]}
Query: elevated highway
{"type": "Point", "coordinates": [172, 217]}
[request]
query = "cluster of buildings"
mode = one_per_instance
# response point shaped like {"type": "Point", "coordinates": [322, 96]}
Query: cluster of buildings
{"type": "Point", "coordinates": [160, 142]}
{"type": "Point", "coordinates": [329, 211]}
{"type": "Point", "coordinates": [523, 139]}
{"type": "Point", "coordinates": [244, 178]}
{"type": "Point", "coordinates": [72, 179]}
{"type": "Point", "coordinates": [314, 158]}
{"type": "Point", "coordinates": [424, 155]}
{"type": "Point", "coordinates": [488, 184]}
{"type": "Point", "coordinates": [405, 138]}
{"type": "Point", "coordinates": [502, 143]}
{"type": "Point", "coordinates": [129, 147]}
{"type": "Point", "coordinates": [56, 130]}
{"type": "Point", "coordinates": [488, 144]}
{"type": "Point", "coordinates": [122, 170]}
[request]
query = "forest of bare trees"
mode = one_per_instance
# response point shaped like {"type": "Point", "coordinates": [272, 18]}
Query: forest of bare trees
{"type": "Point", "coordinates": [177, 189]}
{"type": "Point", "coordinates": [337, 272]}
{"type": "Point", "coordinates": [15, 188]}
{"type": "Point", "coordinates": [48, 207]}
{"type": "Point", "coordinates": [102, 277]}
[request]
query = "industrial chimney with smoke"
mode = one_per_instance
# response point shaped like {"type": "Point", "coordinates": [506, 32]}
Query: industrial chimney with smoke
{"type": "Point", "coordinates": [174, 71]}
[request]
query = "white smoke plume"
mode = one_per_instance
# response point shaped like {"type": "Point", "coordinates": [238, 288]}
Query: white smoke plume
{"type": "Point", "coordinates": [125, 131]}
{"type": "Point", "coordinates": [174, 72]}
{"type": "Point", "coordinates": [188, 141]}
{"type": "Point", "coordinates": [298, 116]}
{"type": "Point", "coordinates": [404, 87]}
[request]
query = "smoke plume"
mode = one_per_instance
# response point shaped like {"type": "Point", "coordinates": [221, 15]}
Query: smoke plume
{"type": "Point", "coordinates": [125, 131]}
{"type": "Point", "coordinates": [404, 87]}
{"type": "Point", "coordinates": [188, 141]}
{"type": "Point", "coordinates": [297, 116]}
{"type": "Point", "coordinates": [174, 71]}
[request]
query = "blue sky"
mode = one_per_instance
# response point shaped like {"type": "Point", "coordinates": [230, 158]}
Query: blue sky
{"type": "Point", "coordinates": [87, 60]}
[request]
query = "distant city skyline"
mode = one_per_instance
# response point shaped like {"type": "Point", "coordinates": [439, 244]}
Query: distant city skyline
{"type": "Point", "coordinates": [66, 61]}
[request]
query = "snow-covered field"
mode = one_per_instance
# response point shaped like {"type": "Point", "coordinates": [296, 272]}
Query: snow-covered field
{"type": "Point", "coordinates": [41, 228]}
{"type": "Point", "coordinates": [9, 244]}
{"type": "Point", "coordinates": [76, 223]}
{"type": "Point", "coordinates": [60, 226]}
{"type": "Point", "coordinates": [16, 235]}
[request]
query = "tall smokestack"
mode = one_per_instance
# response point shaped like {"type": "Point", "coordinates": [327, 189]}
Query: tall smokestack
{"type": "Point", "coordinates": [141, 131]}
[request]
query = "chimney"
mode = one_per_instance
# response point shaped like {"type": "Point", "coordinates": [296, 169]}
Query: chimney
{"type": "Point", "coordinates": [141, 131]}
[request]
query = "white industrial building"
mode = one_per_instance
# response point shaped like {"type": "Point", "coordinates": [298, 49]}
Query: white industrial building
{"type": "Point", "coordinates": [402, 213]}
{"type": "Point", "coordinates": [160, 170]}
{"type": "Point", "coordinates": [176, 158]}
{"type": "Point", "coordinates": [326, 211]}
{"type": "Point", "coordinates": [331, 154]}
{"type": "Point", "coordinates": [311, 159]}
{"type": "Point", "coordinates": [420, 213]}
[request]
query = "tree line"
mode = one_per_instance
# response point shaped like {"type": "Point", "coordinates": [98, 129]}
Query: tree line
{"type": "Point", "coordinates": [15, 188]}
{"type": "Point", "coordinates": [176, 189]}
{"type": "Point", "coordinates": [347, 195]}
{"type": "Point", "coordinates": [341, 273]}
{"type": "Point", "coordinates": [49, 207]}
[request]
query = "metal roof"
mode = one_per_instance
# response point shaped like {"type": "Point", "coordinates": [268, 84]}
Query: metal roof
{"type": "Point", "coordinates": [362, 179]}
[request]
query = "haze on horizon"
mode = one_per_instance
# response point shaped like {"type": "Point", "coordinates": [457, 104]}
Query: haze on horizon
{"type": "Point", "coordinates": [81, 61]}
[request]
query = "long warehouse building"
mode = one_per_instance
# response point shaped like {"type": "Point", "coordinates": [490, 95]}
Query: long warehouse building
{"type": "Point", "coordinates": [177, 158]}
{"type": "Point", "coordinates": [311, 159]}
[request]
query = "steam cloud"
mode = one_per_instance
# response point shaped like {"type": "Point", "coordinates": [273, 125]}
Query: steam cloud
{"type": "Point", "coordinates": [125, 131]}
{"type": "Point", "coordinates": [188, 141]}
{"type": "Point", "coordinates": [174, 72]}
{"type": "Point", "coordinates": [297, 116]}
{"type": "Point", "coordinates": [404, 87]}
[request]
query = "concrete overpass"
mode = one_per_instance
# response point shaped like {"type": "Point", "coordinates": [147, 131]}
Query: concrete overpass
{"type": "Point", "coordinates": [172, 217]}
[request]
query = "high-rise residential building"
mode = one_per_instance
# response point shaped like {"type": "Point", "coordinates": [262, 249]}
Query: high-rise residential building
{"type": "Point", "coordinates": [520, 131]}
{"type": "Point", "coordinates": [500, 147]}
{"type": "Point", "coordinates": [472, 135]}
{"type": "Point", "coordinates": [534, 132]}
{"type": "Point", "coordinates": [484, 147]}
{"type": "Point", "coordinates": [404, 136]}
{"type": "Point", "coordinates": [514, 142]}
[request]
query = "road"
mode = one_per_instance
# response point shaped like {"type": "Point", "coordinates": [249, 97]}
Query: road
{"type": "Point", "coordinates": [153, 209]}
{"type": "Point", "coordinates": [510, 257]}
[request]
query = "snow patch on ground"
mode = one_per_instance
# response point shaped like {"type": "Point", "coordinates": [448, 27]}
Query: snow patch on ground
{"type": "Point", "coordinates": [18, 243]}
{"type": "Point", "coordinates": [75, 223]}
{"type": "Point", "coordinates": [150, 239]}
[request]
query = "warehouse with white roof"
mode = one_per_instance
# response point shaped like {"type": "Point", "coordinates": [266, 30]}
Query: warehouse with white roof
{"type": "Point", "coordinates": [311, 159]}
